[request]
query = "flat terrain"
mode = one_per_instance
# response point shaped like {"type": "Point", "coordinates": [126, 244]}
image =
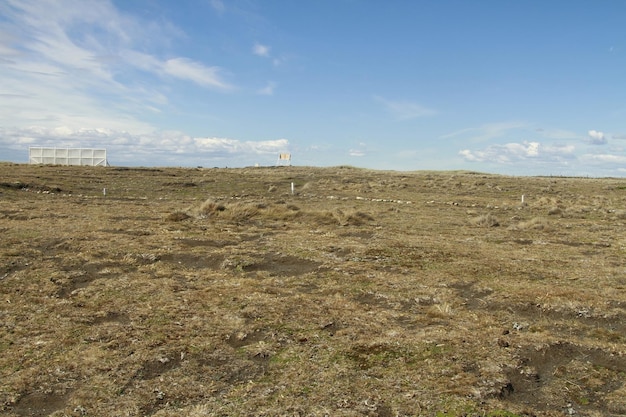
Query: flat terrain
{"type": "Point", "coordinates": [218, 292]}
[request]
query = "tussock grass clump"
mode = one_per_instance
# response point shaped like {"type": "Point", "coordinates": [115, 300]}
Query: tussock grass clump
{"type": "Point", "coordinates": [486, 220]}
{"type": "Point", "coordinates": [555, 211]}
{"type": "Point", "coordinates": [440, 311]}
{"type": "Point", "coordinates": [241, 211]}
{"type": "Point", "coordinates": [620, 214]}
{"type": "Point", "coordinates": [536, 223]}
{"type": "Point", "coordinates": [337, 217]}
{"type": "Point", "coordinates": [210, 207]}
{"type": "Point", "coordinates": [177, 216]}
{"type": "Point", "coordinates": [355, 218]}
{"type": "Point", "coordinates": [546, 202]}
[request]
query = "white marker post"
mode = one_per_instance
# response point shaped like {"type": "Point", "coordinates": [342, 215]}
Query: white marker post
{"type": "Point", "coordinates": [292, 188]}
{"type": "Point", "coordinates": [104, 192]}
{"type": "Point", "coordinates": [522, 198]}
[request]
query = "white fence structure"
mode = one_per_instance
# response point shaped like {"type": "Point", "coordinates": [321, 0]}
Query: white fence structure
{"type": "Point", "coordinates": [68, 156]}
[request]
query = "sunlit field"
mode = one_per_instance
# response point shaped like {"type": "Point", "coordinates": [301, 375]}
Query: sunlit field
{"type": "Point", "coordinates": [220, 292]}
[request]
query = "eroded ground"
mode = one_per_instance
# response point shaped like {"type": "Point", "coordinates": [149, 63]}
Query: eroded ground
{"type": "Point", "coordinates": [216, 292]}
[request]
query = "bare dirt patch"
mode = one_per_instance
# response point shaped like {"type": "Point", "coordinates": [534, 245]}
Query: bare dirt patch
{"type": "Point", "coordinates": [38, 404]}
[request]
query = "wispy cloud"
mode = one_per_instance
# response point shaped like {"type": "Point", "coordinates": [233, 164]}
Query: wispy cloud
{"type": "Point", "coordinates": [218, 5]}
{"type": "Point", "coordinates": [487, 131]}
{"type": "Point", "coordinates": [261, 50]}
{"type": "Point", "coordinates": [604, 158]}
{"type": "Point", "coordinates": [279, 61]}
{"type": "Point", "coordinates": [268, 90]}
{"type": "Point", "coordinates": [559, 134]}
{"type": "Point", "coordinates": [359, 151]}
{"type": "Point", "coordinates": [181, 68]}
{"type": "Point", "coordinates": [83, 74]}
{"type": "Point", "coordinates": [404, 109]}
{"type": "Point", "coordinates": [187, 69]}
{"type": "Point", "coordinates": [56, 75]}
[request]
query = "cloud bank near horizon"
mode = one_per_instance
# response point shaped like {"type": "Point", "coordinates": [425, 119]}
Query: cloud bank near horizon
{"type": "Point", "coordinates": [127, 148]}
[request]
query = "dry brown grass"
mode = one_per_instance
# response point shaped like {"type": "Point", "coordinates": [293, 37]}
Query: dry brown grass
{"type": "Point", "coordinates": [536, 223]}
{"type": "Point", "coordinates": [486, 220]}
{"type": "Point", "coordinates": [219, 293]}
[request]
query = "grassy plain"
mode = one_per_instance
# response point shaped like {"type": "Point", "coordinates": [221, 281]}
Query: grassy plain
{"type": "Point", "coordinates": [218, 292]}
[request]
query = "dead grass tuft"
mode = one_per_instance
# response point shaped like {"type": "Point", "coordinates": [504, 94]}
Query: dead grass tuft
{"type": "Point", "coordinates": [486, 220]}
{"type": "Point", "coordinates": [177, 216]}
{"type": "Point", "coordinates": [620, 214]}
{"type": "Point", "coordinates": [536, 223]}
{"type": "Point", "coordinates": [546, 202]}
{"type": "Point", "coordinates": [210, 207]}
{"type": "Point", "coordinates": [555, 211]}
{"type": "Point", "coordinates": [240, 211]}
{"type": "Point", "coordinates": [351, 218]}
{"type": "Point", "coordinates": [441, 311]}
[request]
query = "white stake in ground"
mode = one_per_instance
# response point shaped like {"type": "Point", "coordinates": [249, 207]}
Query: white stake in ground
{"type": "Point", "coordinates": [292, 189]}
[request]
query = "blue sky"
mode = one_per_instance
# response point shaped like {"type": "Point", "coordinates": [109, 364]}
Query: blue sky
{"type": "Point", "coordinates": [510, 87]}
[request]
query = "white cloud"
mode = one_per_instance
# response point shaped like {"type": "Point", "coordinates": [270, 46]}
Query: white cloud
{"type": "Point", "coordinates": [233, 146]}
{"type": "Point", "coordinates": [129, 146]}
{"type": "Point", "coordinates": [181, 68]}
{"type": "Point", "coordinates": [359, 151]}
{"type": "Point", "coordinates": [268, 90]}
{"type": "Point", "coordinates": [604, 159]}
{"type": "Point", "coordinates": [487, 131]}
{"type": "Point", "coordinates": [75, 63]}
{"type": "Point", "coordinates": [559, 134]}
{"type": "Point", "coordinates": [187, 69]}
{"type": "Point", "coordinates": [519, 152]}
{"type": "Point", "coordinates": [261, 50]}
{"type": "Point", "coordinates": [618, 136]}
{"type": "Point", "coordinates": [218, 5]}
{"type": "Point", "coordinates": [405, 110]}
{"type": "Point", "coordinates": [596, 138]}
